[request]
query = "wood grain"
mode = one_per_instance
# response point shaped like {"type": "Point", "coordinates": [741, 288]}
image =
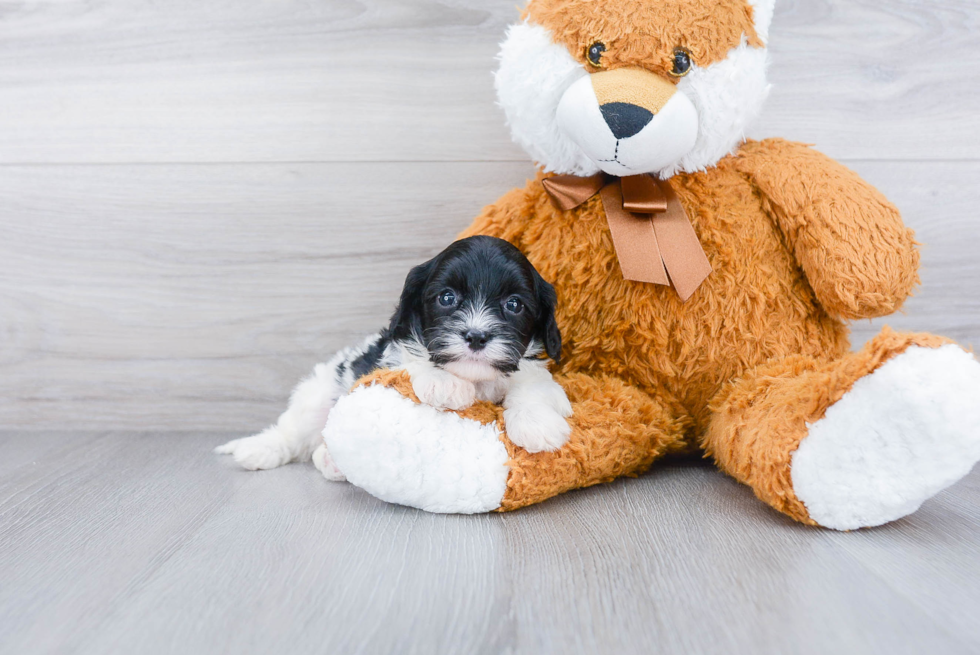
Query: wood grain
{"type": "Point", "coordinates": [192, 297]}
{"type": "Point", "coordinates": [389, 80]}
{"type": "Point", "coordinates": [199, 200]}
{"type": "Point", "coordinates": [142, 542]}
{"type": "Point", "coordinates": [136, 297]}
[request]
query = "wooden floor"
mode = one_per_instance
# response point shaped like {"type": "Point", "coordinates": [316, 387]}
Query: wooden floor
{"type": "Point", "coordinates": [142, 543]}
{"type": "Point", "coordinates": [199, 200]}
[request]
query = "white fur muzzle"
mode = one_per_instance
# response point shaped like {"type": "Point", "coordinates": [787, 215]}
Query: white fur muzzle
{"type": "Point", "coordinates": [545, 94]}
{"type": "Point", "coordinates": [533, 76]}
{"type": "Point", "coordinates": [667, 138]}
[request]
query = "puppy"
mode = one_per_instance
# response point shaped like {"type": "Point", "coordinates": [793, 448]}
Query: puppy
{"type": "Point", "coordinates": [473, 323]}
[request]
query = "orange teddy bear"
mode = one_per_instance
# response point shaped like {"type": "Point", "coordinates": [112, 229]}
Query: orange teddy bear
{"type": "Point", "coordinates": [703, 281]}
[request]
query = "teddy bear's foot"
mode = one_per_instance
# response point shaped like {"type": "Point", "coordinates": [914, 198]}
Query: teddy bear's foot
{"type": "Point", "coordinates": [855, 442]}
{"type": "Point", "coordinates": [412, 454]}
{"type": "Point", "coordinates": [900, 436]}
{"type": "Point", "coordinates": [392, 446]}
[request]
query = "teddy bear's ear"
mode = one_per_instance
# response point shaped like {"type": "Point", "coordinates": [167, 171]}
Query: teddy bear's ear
{"type": "Point", "coordinates": [763, 10]}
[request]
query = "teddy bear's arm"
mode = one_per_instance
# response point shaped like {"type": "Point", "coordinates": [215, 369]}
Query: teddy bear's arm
{"type": "Point", "coordinates": [858, 256]}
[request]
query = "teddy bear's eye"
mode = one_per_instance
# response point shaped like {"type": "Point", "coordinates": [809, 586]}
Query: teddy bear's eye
{"type": "Point", "coordinates": [594, 53]}
{"type": "Point", "coordinates": [682, 62]}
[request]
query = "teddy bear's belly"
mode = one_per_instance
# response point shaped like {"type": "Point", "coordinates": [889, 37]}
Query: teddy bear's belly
{"type": "Point", "coordinates": [686, 353]}
{"type": "Point", "coordinates": [756, 305]}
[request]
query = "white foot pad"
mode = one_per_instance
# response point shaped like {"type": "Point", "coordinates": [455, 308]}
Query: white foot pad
{"type": "Point", "coordinates": [897, 438]}
{"type": "Point", "coordinates": [415, 455]}
{"type": "Point", "coordinates": [324, 464]}
{"type": "Point", "coordinates": [262, 452]}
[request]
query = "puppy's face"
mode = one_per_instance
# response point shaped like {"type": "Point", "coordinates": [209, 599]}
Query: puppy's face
{"type": "Point", "coordinates": [478, 308]}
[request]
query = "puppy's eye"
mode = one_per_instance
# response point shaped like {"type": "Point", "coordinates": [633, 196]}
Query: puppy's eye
{"type": "Point", "coordinates": [594, 53]}
{"type": "Point", "coordinates": [447, 298]}
{"type": "Point", "coordinates": [514, 305]}
{"type": "Point", "coordinates": [682, 62]}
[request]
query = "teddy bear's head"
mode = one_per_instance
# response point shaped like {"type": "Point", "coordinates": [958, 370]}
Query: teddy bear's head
{"type": "Point", "coordinates": [634, 86]}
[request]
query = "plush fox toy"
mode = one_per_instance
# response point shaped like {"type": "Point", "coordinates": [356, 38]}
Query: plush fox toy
{"type": "Point", "coordinates": [704, 282]}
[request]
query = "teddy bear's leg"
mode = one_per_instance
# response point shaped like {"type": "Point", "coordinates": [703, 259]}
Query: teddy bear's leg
{"type": "Point", "coordinates": [386, 442]}
{"type": "Point", "coordinates": [856, 442]}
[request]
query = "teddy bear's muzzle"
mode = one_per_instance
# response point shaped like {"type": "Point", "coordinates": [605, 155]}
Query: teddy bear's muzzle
{"type": "Point", "coordinates": [629, 121]}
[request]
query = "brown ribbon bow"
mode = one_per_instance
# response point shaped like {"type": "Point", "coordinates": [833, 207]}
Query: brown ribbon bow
{"type": "Point", "coordinates": [654, 239]}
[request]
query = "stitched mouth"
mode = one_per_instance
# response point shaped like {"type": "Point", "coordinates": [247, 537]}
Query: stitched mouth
{"type": "Point", "coordinates": [615, 159]}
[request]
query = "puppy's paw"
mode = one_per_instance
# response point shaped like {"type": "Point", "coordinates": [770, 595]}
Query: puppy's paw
{"type": "Point", "coordinates": [324, 464]}
{"type": "Point", "coordinates": [443, 390]}
{"type": "Point", "coordinates": [259, 453]}
{"type": "Point", "coordinates": [555, 397]}
{"type": "Point", "coordinates": [537, 428]}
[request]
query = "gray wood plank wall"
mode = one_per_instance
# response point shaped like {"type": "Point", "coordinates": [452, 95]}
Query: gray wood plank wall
{"type": "Point", "coordinates": [198, 200]}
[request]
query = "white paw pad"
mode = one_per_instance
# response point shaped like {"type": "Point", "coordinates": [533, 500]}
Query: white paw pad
{"type": "Point", "coordinates": [897, 438]}
{"type": "Point", "coordinates": [536, 428]}
{"type": "Point", "coordinates": [261, 452]}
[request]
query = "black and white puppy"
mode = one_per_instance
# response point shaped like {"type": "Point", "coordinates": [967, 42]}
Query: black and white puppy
{"type": "Point", "coordinates": [473, 323]}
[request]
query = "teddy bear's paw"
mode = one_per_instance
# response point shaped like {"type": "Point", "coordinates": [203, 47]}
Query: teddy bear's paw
{"type": "Point", "coordinates": [442, 390]}
{"type": "Point", "coordinates": [537, 428]}
{"type": "Point", "coordinates": [415, 455]}
{"type": "Point", "coordinates": [259, 453]}
{"type": "Point", "coordinates": [897, 438]}
{"type": "Point", "coordinates": [324, 464]}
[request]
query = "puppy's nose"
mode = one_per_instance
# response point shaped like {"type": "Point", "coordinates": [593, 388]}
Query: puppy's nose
{"type": "Point", "coordinates": [476, 338]}
{"type": "Point", "coordinates": [625, 120]}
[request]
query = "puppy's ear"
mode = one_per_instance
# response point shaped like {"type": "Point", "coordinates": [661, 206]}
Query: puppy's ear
{"type": "Point", "coordinates": [546, 330]}
{"type": "Point", "coordinates": [406, 322]}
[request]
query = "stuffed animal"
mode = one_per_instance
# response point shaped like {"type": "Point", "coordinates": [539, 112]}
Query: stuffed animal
{"type": "Point", "coordinates": [704, 284]}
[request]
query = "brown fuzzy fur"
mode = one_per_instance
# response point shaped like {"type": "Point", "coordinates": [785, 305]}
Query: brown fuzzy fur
{"type": "Point", "coordinates": [760, 419]}
{"type": "Point", "coordinates": [617, 431]}
{"type": "Point", "coordinates": [645, 34]}
{"type": "Point", "coordinates": [834, 223]}
{"type": "Point", "coordinates": [797, 243]}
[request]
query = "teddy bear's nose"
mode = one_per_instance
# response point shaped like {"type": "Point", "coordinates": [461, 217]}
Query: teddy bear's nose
{"type": "Point", "coordinates": [625, 120]}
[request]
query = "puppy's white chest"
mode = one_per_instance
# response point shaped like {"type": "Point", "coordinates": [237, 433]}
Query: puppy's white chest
{"type": "Point", "coordinates": [493, 391]}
